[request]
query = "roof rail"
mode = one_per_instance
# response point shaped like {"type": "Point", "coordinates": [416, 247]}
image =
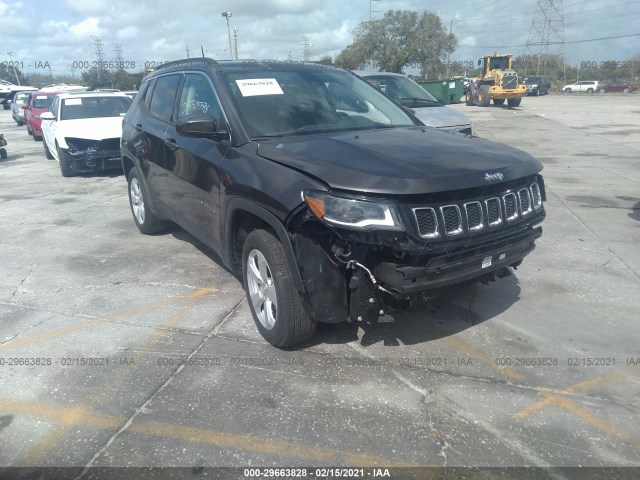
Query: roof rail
{"type": "Point", "coordinates": [210, 62]}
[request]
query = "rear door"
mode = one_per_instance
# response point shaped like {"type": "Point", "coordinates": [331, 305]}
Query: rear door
{"type": "Point", "coordinates": [49, 127]}
{"type": "Point", "coordinates": [194, 163]}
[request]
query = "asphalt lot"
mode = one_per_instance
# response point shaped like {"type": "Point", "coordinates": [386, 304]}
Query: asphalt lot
{"type": "Point", "coordinates": [146, 354]}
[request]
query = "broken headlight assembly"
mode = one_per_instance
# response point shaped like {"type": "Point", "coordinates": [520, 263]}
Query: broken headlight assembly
{"type": "Point", "coordinates": [354, 213]}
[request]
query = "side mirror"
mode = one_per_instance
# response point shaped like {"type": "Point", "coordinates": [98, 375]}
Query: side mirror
{"type": "Point", "coordinates": [197, 126]}
{"type": "Point", "coordinates": [46, 116]}
{"type": "Point", "coordinates": [25, 106]}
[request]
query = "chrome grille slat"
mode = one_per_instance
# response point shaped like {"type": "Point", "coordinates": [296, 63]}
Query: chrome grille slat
{"type": "Point", "coordinates": [427, 222]}
{"type": "Point", "coordinates": [510, 206]}
{"type": "Point", "coordinates": [477, 216]}
{"type": "Point", "coordinates": [475, 219]}
{"type": "Point", "coordinates": [494, 211]}
{"type": "Point", "coordinates": [452, 219]}
{"type": "Point", "coordinates": [525, 202]}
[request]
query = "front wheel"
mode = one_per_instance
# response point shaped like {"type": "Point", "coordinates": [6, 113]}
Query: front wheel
{"type": "Point", "coordinates": [589, 90]}
{"type": "Point", "coordinates": [65, 168]}
{"type": "Point", "coordinates": [567, 90]}
{"type": "Point", "coordinates": [514, 102]}
{"type": "Point", "coordinates": [469, 97]}
{"type": "Point", "coordinates": [483, 96]}
{"type": "Point", "coordinates": [275, 303]}
{"type": "Point", "coordinates": [626, 90]}
{"type": "Point", "coordinates": [602, 90]}
{"type": "Point", "coordinates": [146, 221]}
{"type": "Point", "coordinates": [498, 101]}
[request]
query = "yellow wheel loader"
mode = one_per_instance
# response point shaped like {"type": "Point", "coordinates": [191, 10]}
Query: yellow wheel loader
{"type": "Point", "coordinates": [498, 81]}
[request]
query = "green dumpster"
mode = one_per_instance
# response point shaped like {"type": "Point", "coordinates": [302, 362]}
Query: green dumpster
{"type": "Point", "coordinates": [445, 91]}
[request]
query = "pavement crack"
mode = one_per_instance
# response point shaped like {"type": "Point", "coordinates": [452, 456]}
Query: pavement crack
{"type": "Point", "coordinates": [142, 407]}
{"type": "Point", "coordinates": [22, 282]}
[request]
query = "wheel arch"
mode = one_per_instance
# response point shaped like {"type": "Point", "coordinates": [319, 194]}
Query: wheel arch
{"type": "Point", "coordinates": [243, 215]}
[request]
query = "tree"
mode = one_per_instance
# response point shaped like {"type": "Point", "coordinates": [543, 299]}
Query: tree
{"type": "Point", "coordinates": [326, 60]}
{"type": "Point", "coordinates": [399, 39]}
{"type": "Point", "coordinates": [7, 73]}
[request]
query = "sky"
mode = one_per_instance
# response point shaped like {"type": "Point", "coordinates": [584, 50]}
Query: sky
{"type": "Point", "coordinates": [57, 33]}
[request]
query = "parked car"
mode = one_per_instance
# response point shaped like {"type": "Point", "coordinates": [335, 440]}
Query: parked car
{"type": "Point", "coordinates": [3, 143]}
{"type": "Point", "coordinates": [537, 85]}
{"type": "Point", "coordinates": [131, 93]}
{"type": "Point", "coordinates": [409, 94]}
{"type": "Point", "coordinates": [589, 86]}
{"type": "Point", "coordinates": [17, 112]}
{"type": "Point", "coordinates": [330, 200]}
{"type": "Point", "coordinates": [625, 87]}
{"type": "Point", "coordinates": [82, 131]}
{"type": "Point", "coordinates": [39, 103]}
{"type": "Point", "coordinates": [7, 100]}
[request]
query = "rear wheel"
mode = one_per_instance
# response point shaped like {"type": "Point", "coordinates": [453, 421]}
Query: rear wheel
{"type": "Point", "coordinates": [602, 90]}
{"type": "Point", "coordinates": [567, 90]}
{"type": "Point", "coordinates": [469, 97]}
{"type": "Point", "coordinates": [514, 102]}
{"type": "Point", "coordinates": [498, 101]}
{"type": "Point", "coordinates": [47, 153]}
{"type": "Point", "coordinates": [483, 96]}
{"type": "Point", "coordinates": [589, 90]}
{"type": "Point", "coordinates": [274, 301]}
{"type": "Point", "coordinates": [146, 221]}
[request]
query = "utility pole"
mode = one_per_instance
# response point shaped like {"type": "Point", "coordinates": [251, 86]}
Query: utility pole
{"type": "Point", "coordinates": [13, 65]}
{"type": "Point", "coordinates": [226, 14]}
{"type": "Point", "coordinates": [306, 49]}
{"type": "Point", "coordinates": [235, 42]}
{"type": "Point", "coordinates": [547, 28]}
{"type": "Point", "coordinates": [117, 47]}
{"type": "Point", "coordinates": [187, 51]}
{"type": "Point", "coordinates": [99, 54]}
{"type": "Point", "coordinates": [449, 54]}
{"type": "Point", "coordinates": [371, 11]}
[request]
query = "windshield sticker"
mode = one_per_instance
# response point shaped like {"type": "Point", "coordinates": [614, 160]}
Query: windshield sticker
{"type": "Point", "coordinates": [73, 101]}
{"type": "Point", "coordinates": [41, 97]}
{"type": "Point", "coordinates": [259, 86]}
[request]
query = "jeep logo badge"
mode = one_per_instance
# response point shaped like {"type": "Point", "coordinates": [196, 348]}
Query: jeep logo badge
{"type": "Point", "coordinates": [489, 177]}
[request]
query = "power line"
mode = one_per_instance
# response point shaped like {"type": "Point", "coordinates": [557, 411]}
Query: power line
{"type": "Point", "coordinates": [574, 41]}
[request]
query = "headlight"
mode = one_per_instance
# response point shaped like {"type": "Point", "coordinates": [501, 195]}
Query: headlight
{"type": "Point", "coordinates": [353, 213]}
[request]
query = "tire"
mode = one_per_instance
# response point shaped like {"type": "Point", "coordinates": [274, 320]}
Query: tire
{"type": "Point", "coordinates": [146, 221]}
{"type": "Point", "coordinates": [483, 96]}
{"type": "Point", "coordinates": [537, 93]}
{"type": "Point", "coordinates": [589, 90]}
{"type": "Point", "coordinates": [47, 153]}
{"type": "Point", "coordinates": [3, 154]}
{"type": "Point", "coordinates": [567, 90]}
{"type": "Point", "coordinates": [36, 138]}
{"type": "Point", "coordinates": [469, 97]}
{"type": "Point", "coordinates": [29, 131]}
{"type": "Point", "coordinates": [20, 123]}
{"type": "Point", "coordinates": [602, 90]}
{"type": "Point", "coordinates": [626, 90]}
{"type": "Point", "coordinates": [498, 102]}
{"type": "Point", "coordinates": [514, 102]}
{"type": "Point", "coordinates": [275, 304]}
{"type": "Point", "coordinates": [65, 169]}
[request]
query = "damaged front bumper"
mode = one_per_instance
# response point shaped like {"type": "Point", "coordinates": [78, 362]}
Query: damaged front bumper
{"type": "Point", "coordinates": [90, 156]}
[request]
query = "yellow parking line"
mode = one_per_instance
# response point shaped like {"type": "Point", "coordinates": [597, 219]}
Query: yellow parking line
{"type": "Point", "coordinates": [21, 342]}
{"type": "Point", "coordinates": [79, 416]}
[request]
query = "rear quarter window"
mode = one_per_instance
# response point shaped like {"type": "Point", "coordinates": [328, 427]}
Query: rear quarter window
{"type": "Point", "coordinates": [164, 96]}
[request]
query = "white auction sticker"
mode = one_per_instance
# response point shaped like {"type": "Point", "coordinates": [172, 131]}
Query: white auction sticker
{"type": "Point", "coordinates": [73, 101]}
{"type": "Point", "coordinates": [486, 262]}
{"type": "Point", "coordinates": [259, 86]}
{"type": "Point", "coordinates": [40, 97]}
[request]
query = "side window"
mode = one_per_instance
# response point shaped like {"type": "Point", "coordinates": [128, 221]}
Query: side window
{"type": "Point", "coordinates": [197, 98]}
{"type": "Point", "coordinates": [164, 96]}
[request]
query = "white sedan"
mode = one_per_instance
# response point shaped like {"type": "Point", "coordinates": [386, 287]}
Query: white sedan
{"type": "Point", "coordinates": [82, 131]}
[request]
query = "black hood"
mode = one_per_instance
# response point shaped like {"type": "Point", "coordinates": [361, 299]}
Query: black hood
{"type": "Point", "coordinates": [401, 160]}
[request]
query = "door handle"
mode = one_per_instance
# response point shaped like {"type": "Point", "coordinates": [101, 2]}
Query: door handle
{"type": "Point", "coordinates": [171, 143]}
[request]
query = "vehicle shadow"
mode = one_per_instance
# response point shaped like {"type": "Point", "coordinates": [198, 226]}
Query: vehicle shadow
{"type": "Point", "coordinates": [458, 308]}
{"type": "Point", "coordinates": [116, 172]}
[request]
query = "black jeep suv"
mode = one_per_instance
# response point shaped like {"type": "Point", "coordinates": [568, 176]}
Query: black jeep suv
{"type": "Point", "coordinates": [332, 201]}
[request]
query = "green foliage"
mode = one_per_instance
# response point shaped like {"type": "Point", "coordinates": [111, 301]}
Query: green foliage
{"type": "Point", "coordinates": [7, 73]}
{"type": "Point", "coordinates": [401, 38]}
{"type": "Point", "coordinates": [120, 79]}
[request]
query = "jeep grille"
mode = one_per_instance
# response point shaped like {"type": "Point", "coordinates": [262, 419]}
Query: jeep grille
{"type": "Point", "coordinates": [479, 215]}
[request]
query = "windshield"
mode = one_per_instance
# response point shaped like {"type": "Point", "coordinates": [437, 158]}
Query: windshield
{"type": "Point", "coordinates": [93, 107]}
{"type": "Point", "coordinates": [401, 88]}
{"type": "Point", "coordinates": [274, 102]}
{"type": "Point", "coordinates": [532, 80]}
{"type": "Point", "coordinates": [21, 98]}
{"type": "Point", "coordinates": [42, 101]}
